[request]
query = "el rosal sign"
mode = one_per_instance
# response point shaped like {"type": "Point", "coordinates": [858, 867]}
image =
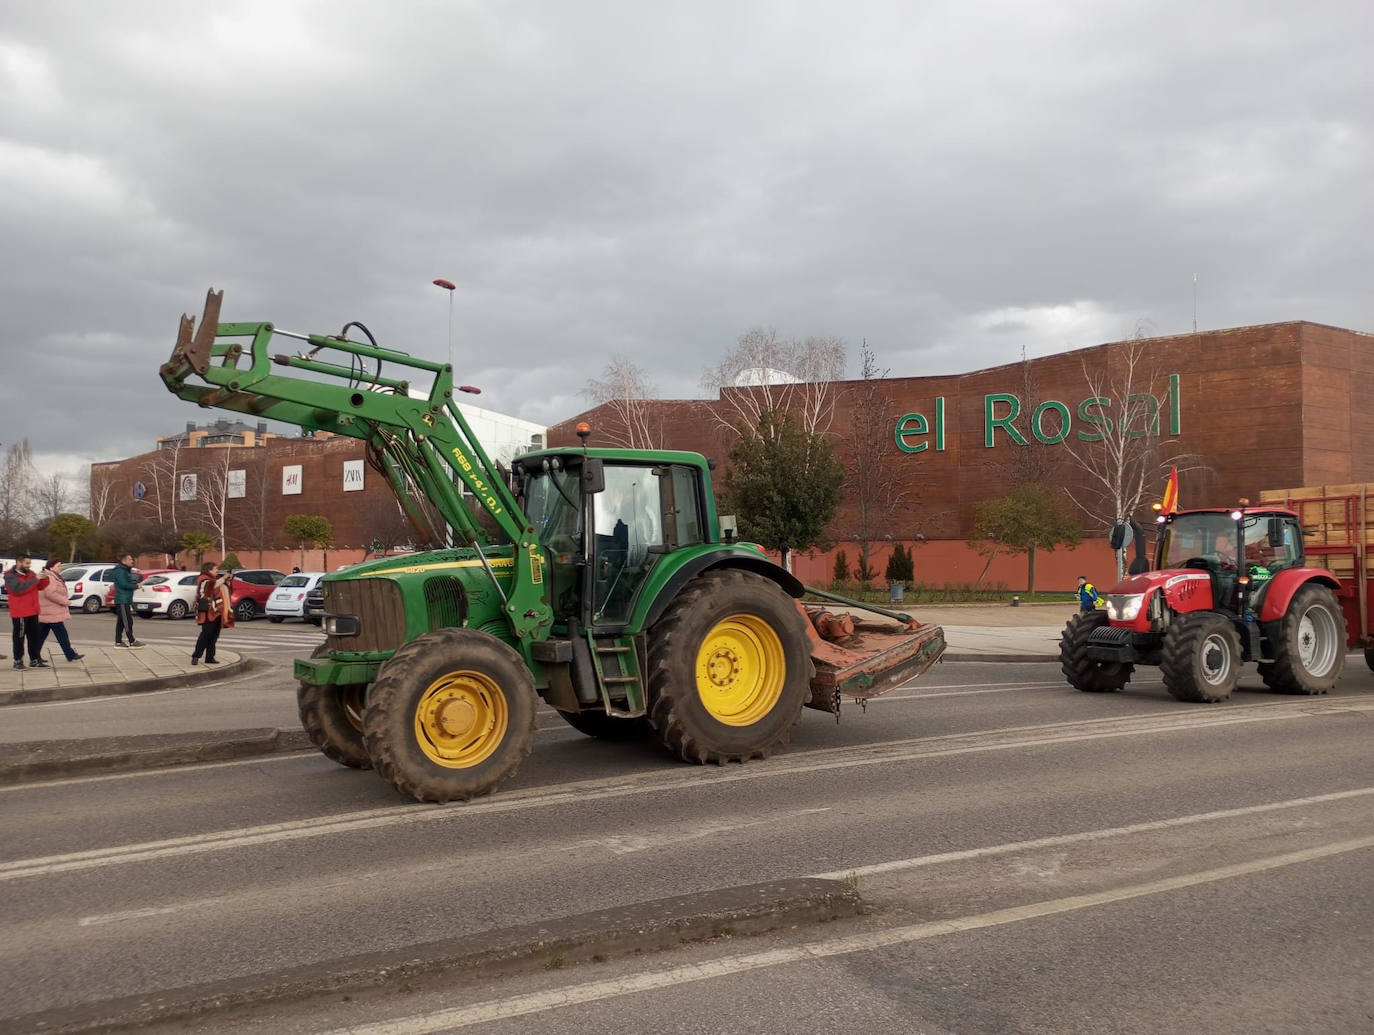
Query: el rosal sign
{"type": "Point", "coordinates": [1051, 422]}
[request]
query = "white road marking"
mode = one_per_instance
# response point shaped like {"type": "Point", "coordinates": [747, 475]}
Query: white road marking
{"type": "Point", "coordinates": [627, 844]}
{"type": "Point", "coordinates": [1089, 835]}
{"type": "Point", "coordinates": [731, 966]}
{"type": "Point", "coordinates": [143, 914]}
{"type": "Point", "coordinates": [617, 787]}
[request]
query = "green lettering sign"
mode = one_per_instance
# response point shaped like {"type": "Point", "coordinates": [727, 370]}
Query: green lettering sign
{"type": "Point", "coordinates": [991, 423]}
{"type": "Point", "coordinates": [912, 424]}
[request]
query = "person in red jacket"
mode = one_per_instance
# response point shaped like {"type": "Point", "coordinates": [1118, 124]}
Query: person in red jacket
{"type": "Point", "coordinates": [23, 584]}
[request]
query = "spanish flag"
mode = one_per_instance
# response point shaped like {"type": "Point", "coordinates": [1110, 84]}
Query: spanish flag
{"type": "Point", "coordinates": [1170, 502]}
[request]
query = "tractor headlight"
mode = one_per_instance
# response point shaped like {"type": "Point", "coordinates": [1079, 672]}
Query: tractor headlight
{"type": "Point", "coordinates": [1124, 607]}
{"type": "Point", "coordinates": [342, 625]}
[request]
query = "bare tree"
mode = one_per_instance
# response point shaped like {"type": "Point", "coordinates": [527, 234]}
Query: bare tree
{"type": "Point", "coordinates": [103, 494]}
{"type": "Point", "coordinates": [625, 388]}
{"type": "Point", "coordinates": [764, 374]}
{"type": "Point", "coordinates": [212, 496]}
{"type": "Point", "coordinates": [873, 483]}
{"type": "Point", "coordinates": [1033, 462]}
{"type": "Point", "coordinates": [1127, 455]}
{"type": "Point", "coordinates": [17, 477]}
{"type": "Point", "coordinates": [48, 497]}
{"type": "Point", "coordinates": [163, 471]}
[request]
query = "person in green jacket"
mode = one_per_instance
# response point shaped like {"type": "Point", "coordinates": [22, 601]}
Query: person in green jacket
{"type": "Point", "coordinates": [126, 580]}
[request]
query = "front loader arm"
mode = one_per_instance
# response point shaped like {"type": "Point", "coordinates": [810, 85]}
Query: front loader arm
{"type": "Point", "coordinates": [425, 442]}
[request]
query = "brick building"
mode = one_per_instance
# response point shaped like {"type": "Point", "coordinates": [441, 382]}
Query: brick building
{"type": "Point", "coordinates": [1245, 409]}
{"type": "Point", "coordinates": [239, 484]}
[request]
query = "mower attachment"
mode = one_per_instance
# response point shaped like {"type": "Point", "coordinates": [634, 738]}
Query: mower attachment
{"type": "Point", "coordinates": [865, 658]}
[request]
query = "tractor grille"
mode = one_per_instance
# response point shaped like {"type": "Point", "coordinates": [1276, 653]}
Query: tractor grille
{"type": "Point", "coordinates": [444, 602]}
{"type": "Point", "coordinates": [1109, 636]}
{"type": "Point", "coordinates": [377, 603]}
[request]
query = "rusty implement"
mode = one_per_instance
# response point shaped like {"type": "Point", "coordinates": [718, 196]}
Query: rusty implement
{"type": "Point", "coordinates": [862, 657]}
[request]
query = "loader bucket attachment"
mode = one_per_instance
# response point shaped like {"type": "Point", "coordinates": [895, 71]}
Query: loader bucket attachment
{"type": "Point", "coordinates": [870, 660]}
{"type": "Point", "coordinates": [193, 343]}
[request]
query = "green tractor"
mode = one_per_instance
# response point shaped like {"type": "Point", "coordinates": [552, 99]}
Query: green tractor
{"type": "Point", "coordinates": [597, 579]}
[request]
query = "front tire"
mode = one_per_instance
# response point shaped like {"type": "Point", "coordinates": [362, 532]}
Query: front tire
{"type": "Point", "coordinates": [1309, 651]}
{"type": "Point", "coordinates": [1083, 672]}
{"type": "Point", "coordinates": [275, 619]}
{"type": "Point", "coordinates": [450, 716]}
{"type": "Point", "coordinates": [332, 716]}
{"type": "Point", "coordinates": [729, 669]}
{"type": "Point", "coordinates": [1200, 660]}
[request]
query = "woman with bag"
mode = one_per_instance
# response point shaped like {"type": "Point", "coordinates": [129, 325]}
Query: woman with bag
{"type": "Point", "coordinates": [212, 612]}
{"type": "Point", "coordinates": [53, 611]}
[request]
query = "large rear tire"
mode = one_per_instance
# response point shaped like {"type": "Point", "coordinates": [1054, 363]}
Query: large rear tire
{"type": "Point", "coordinates": [729, 669]}
{"type": "Point", "coordinates": [1082, 672]}
{"type": "Point", "coordinates": [1309, 651]}
{"type": "Point", "coordinates": [332, 716]}
{"type": "Point", "coordinates": [605, 727]}
{"type": "Point", "coordinates": [450, 716]}
{"type": "Point", "coordinates": [1200, 660]}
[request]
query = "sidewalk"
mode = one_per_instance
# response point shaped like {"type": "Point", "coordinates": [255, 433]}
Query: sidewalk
{"type": "Point", "coordinates": [106, 669]}
{"type": "Point", "coordinates": [145, 732]}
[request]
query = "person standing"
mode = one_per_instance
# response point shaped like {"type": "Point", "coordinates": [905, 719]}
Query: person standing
{"type": "Point", "coordinates": [54, 608]}
{"type": "Point", "coordinates": [126, 580]}
{"type": "Point", "coordinates": [22, 584]}
{"type": "Point", "coordinates": [213, 612]}
{"type": "Point", "coordinates": [1087, 594]}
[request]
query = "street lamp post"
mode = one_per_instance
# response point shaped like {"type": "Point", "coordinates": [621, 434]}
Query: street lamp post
{"type": "Point", "coordinates": [448, 286]}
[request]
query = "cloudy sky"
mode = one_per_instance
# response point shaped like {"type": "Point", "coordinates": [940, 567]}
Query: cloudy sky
{"type": "Point", "coordinates": [951, 182]}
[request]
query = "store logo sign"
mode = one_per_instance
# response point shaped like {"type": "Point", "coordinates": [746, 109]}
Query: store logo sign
{"type": "Point", "coordinates": [1051, 422]}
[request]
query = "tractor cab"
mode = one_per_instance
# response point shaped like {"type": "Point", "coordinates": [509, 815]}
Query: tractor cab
{"type": "Point", "coordinates": [1241, 551]}
{"type": "Point", "coordinates": [605, 522]}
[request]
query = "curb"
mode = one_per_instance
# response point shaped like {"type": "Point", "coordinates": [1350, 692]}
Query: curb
{"type": "Point", "coordinates": [588, 937]}
{"type": "Point", "coordinates": [133, 686]}
{"type": "Point", "coordinates": [44, 759]}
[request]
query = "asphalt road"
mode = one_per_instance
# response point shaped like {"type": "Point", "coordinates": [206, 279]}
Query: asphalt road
{"type": "Point", "coordinates": [1035, 860]}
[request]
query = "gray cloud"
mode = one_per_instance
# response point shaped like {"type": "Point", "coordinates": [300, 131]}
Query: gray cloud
{"type": "Point", "coordinates": [951, 182]}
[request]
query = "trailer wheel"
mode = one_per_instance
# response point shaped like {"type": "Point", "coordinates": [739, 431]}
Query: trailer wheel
{"type": "Point", "coordinates": [605, 727]}
{"type": "Point", "coordinates": [332, 716]}
{"type": "Point", "coordinates": [1309, 651]}
{"type": "Point", "coordinates": [450, 716]}
{"type": "Point", "coordinates": [1082, 672]}
{"type": "Point", "coordinates": [729, 669]}
{"type": "Point", "coordinates": [1200, 660]}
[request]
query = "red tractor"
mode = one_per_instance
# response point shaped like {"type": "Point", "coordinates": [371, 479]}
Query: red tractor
{"type": "Point", "coordinates": [1228, 586]}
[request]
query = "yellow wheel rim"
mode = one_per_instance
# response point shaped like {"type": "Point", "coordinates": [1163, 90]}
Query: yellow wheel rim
{"type": "Point", "coordinates": [461, 719]}
{"type": "Point", "coordinates": [740, 670]}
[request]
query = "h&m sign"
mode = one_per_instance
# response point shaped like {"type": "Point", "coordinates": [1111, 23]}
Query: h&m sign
{"type": "Point", "coordinates": [1051, 422]}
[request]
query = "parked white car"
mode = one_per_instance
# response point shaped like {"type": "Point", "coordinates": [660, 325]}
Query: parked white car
{"type": "Point", "coordinates": [172, 594]}
{"type": "Point", "coordinates": [288, 599]}
{"type": "Point", "coordinates": [88, 585]}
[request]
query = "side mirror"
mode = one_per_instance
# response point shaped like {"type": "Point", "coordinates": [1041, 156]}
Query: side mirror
{"type": "Point", "coordinates": [593, 476]}
{"type": "Point", "coordinates": [1121, 536]}
{"type": "Point", "coordinates": [728, 527]}
{"type": "Point", "coordinates": [1275, 533]}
